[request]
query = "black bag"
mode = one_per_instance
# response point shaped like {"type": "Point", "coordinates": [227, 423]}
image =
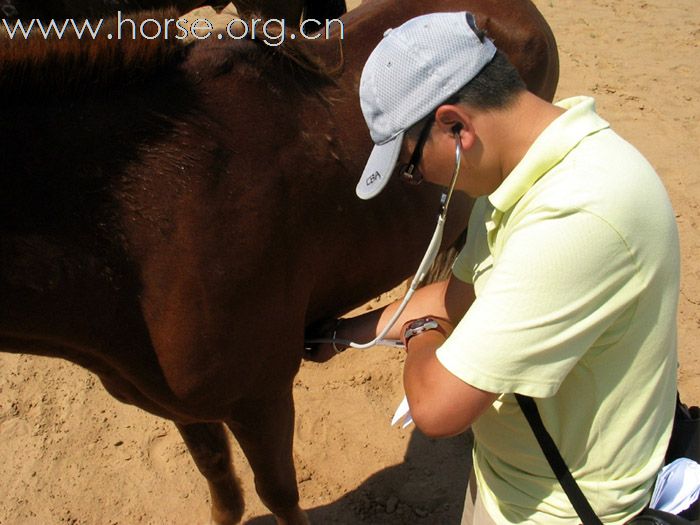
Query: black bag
{"type": "Point", "coordinates": [685, 438]}
{"type": "Point", "coordinates": [657, 517]}
{"type": "Point", "coordinates": [685, 442]}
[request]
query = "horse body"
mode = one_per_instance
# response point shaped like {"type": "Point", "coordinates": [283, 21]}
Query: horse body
{"type": "Point", "coordinates": [175, 232]}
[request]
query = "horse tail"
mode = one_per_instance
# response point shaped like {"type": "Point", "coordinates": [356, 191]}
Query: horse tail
{"type": "Point", "coordinates": [321, 10]}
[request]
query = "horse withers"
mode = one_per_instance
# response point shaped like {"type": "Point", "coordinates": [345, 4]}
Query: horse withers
{"type": "Point", "coordinates": [172, 218]}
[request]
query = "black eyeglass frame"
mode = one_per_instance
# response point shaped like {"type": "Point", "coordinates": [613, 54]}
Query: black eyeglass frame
{"type": "Point", "coordinates": [408, 172]}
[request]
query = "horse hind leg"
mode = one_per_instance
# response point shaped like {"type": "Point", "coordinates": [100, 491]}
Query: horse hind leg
{"type": "Point", "coordinates": [265, 431]}
{"type": "Point", "coordinates": [208, 445]}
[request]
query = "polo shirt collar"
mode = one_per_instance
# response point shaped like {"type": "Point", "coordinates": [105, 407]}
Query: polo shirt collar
{"type": "Point", "coordinates": [552, 145]}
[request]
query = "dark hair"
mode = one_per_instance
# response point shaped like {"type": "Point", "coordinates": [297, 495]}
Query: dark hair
{"type": "Point", "coordinates": [495, 86]}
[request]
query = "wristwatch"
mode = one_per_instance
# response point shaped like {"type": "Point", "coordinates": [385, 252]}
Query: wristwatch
{"type": "Point", "coordinates": [419, 326]}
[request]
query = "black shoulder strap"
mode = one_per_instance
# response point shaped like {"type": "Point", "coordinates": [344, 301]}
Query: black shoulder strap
{"type": "Point", "coordinates": [561, 471]}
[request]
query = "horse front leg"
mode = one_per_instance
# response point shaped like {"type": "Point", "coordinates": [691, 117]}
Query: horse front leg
{"type": "Point", "coordinates": [265, 431]}
{"type": "Point", "coordinates": [210, 450]}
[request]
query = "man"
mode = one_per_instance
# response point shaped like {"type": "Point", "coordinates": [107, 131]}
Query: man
{"type": "Point", "coordinates": [566, 290]}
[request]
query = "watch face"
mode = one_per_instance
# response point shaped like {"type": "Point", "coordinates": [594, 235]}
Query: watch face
{"type": "Point", "coordinates": [419, 326]}
{"type": "Point", "coordinates": [417, 323]}
{"type": "Point", "coordinates": [420, 323]}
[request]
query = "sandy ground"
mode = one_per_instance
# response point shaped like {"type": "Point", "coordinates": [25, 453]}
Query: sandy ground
{"type": "Point", "coordinates": [70, 454]}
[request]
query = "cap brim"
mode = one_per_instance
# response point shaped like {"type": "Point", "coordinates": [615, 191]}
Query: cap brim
{"type": "Point", "coordinates": [379, 167]}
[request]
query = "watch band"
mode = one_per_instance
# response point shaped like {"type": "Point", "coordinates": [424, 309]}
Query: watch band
{"type": "Point", "coordinates": [418, 326]}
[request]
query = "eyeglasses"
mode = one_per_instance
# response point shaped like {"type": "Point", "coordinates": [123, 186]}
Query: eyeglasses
{"type": "Point", "coordinates": [408, 172]}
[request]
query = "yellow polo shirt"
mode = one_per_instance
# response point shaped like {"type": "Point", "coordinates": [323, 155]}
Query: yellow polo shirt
{"type": "Point", "coordinates": [575, 264]}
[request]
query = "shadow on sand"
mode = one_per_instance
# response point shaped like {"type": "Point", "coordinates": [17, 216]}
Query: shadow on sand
{"type": "Point", "coordinates": [428, 487]}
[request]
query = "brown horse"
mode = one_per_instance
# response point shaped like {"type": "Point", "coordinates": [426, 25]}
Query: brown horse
{"type": "Point", "coordinates": [171, 218]}
{"type": "Point", "coordinates": [290, 10]}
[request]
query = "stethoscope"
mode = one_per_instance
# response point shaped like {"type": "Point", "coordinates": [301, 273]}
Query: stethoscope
{"type": "Point", "coordinates": [426, 263]}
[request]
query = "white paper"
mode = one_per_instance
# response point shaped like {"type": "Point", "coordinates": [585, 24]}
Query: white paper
{"type": "Point", "coordinates": [402, 414]}
{"type": "Point", "coordinates": [677, 486]}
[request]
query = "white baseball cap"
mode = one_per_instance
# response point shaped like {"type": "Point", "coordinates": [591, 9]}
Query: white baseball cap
{"type": "Point", "coordinates": [412, 70]}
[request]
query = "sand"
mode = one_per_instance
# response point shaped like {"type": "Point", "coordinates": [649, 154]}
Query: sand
{"type": "Point", "coordinates": [70, 454]}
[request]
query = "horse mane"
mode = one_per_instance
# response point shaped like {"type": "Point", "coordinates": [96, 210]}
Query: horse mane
{"type": "Point", "coordinates": [293, 60]}
{"type": "Point", "coordinates": [56, 68]}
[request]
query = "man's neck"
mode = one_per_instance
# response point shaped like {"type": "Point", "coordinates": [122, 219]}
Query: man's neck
{"type": "Point", "coordinates": [519, 126]}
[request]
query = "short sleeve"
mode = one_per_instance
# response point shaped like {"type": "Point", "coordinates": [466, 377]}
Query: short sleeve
{"type": "Point", "coordinates": [561, 279]}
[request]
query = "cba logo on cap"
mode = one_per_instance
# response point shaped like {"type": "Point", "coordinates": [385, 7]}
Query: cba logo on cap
{"type": "Point", "coordinates": [373, 178]}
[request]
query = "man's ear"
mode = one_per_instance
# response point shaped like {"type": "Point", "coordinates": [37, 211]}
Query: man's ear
{"type": "Point", "coordinates": [452, 119]}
